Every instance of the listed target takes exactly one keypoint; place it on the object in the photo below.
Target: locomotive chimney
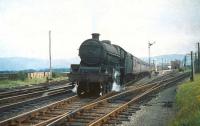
(95, 36)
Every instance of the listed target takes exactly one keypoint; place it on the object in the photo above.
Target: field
(26, 82)
(188, 102)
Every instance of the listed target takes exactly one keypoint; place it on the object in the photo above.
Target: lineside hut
(175, 64)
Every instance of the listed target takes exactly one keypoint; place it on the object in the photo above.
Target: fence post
(192, 67)
(185, 61)
(198, 61)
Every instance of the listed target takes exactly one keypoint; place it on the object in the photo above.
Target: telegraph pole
(149, 46)
(198, 62)
(192, 67)
(149, 54)
(185, 60)
(50, 69)
(162, 64)
(196, 68)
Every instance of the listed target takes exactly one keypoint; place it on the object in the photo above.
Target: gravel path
(157, 112)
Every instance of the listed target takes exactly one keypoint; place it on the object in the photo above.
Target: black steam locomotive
(103, 64)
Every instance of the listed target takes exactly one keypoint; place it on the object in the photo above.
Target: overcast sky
(24, 26)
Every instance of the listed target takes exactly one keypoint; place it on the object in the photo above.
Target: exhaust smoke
(75, 88)
(116, 83)
(116, 87)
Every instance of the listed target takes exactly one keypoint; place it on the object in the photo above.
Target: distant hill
(19, 63)
(165, 58)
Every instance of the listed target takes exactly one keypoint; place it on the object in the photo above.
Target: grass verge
(188, 102)
(27, 82)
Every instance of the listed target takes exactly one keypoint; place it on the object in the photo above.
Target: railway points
(44, 97)
(100, 112)
(48, 113)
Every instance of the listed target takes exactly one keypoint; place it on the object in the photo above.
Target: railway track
(14, 99)
(20, 91)
(160, 79)
(154, 79)
(27, 102)
(164, 76)
(46, 114)
(112, 110)
(42, 86)
(58, 110)
(7, 101)
(31, 105)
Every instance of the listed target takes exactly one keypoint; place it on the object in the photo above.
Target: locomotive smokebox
(95, 36)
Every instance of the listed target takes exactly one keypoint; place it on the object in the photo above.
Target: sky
(174, 25)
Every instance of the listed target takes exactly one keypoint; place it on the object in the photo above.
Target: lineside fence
(191, 62)
(29, 75)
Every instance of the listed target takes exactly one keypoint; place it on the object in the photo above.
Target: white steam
(116, 83)
(75, 88)
(116, 87)
(116, 73)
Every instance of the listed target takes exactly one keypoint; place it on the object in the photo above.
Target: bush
(21, 75)
(180, 69)
(55, 75)
(188, 102)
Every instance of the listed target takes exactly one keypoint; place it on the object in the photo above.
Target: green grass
(59, 78)
(188, 102)
(26, 82)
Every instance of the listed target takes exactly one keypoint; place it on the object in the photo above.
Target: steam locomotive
(103, 64)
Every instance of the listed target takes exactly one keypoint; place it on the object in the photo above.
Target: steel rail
(30, 118)
(22, 97)
(46, 114)
(21, 103)
(31, 89)
(110, 94)
(70, 117)
(123, 107)
(45, 122)
(20, 91)
(20, 118)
